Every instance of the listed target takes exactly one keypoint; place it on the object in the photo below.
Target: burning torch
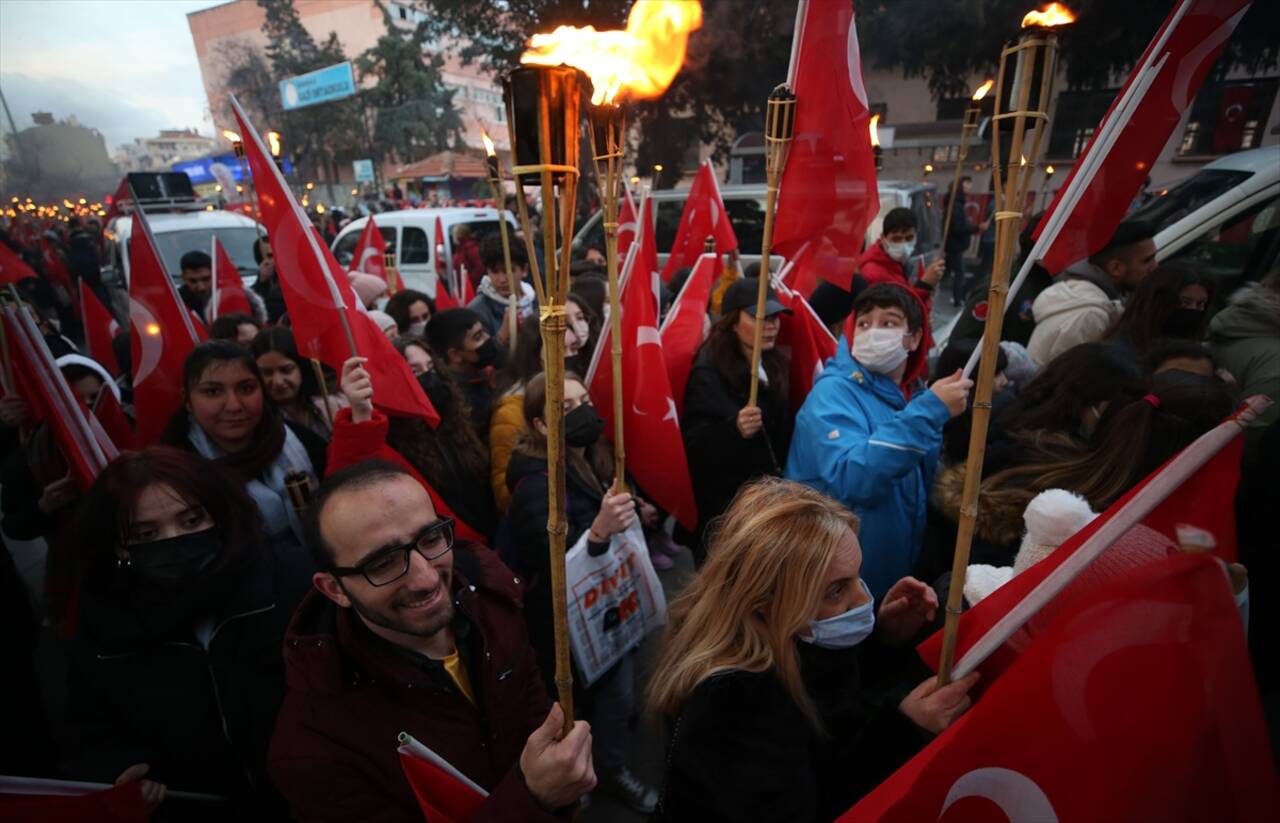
(967, 130)
(1021, 104)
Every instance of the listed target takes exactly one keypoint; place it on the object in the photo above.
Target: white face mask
(418, 329)
(900, 251)
(880, 350)
(582, 330)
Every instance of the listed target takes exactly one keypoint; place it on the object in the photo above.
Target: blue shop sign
(319, 86)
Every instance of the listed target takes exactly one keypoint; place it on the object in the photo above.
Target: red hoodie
(876, 266)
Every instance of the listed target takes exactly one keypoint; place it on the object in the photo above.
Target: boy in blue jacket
(869, 433)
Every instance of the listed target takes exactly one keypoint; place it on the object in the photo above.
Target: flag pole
(213, 295)
(1035, 62)
(538, 100)
(513, 287)
(607, 123)
(324, 392)
(780, 122)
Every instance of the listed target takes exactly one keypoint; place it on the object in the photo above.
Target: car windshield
(238, 242)
(1176, 203)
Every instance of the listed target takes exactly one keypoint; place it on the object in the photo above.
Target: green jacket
(1245, 338)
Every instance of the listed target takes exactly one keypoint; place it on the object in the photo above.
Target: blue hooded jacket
(858, 440)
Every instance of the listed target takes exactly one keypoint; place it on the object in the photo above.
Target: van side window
(747, 217)
(667, 223)
(345, 249)
(1240, 249)
(417, 248)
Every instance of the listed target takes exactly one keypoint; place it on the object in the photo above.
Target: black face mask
(437, 391)
(177, 560)
(1184, 323)
(487, 354)
(582, 426)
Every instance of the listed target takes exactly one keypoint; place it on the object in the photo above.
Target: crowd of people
(224, 636)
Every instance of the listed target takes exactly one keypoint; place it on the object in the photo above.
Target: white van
(745, 206)
(421, 253)
(178, 233)
(1225, 217)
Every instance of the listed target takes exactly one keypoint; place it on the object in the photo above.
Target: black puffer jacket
(144, 688)
(720, 460)
(741, 749)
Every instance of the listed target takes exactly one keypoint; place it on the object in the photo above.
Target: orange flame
(875, 131)
(982, 90)
(230, 135)
(639, 62)
(1054, 14)
(488, 144)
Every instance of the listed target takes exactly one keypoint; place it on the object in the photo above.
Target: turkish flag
(1136, 702)
(1193, 490)
(228, 286)
(371, 254)
(162, 334)
(54, 267)
(1115, 165)
(682, 328)
(100, 328)
(656, 458)
(828, 195)
(86, 450)
(321, 303)
(626, 223)
(704, 216)
(12, 267)
(444, 793)
(1233, 113)
(804, 339)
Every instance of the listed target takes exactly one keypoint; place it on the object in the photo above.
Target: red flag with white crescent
(655, 449)
(703, 216)
(684, 324)
(371, 254)
(162, 334)
(1115, 165)
(828, 195)
(323, 308)
(626, 224)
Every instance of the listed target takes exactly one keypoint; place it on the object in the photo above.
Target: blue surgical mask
(844, 631)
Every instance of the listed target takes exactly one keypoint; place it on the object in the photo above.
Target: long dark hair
(1133, 439)
(526, 363)
(268, 437)
(450, 452)
(1157, 297)
(103, 518)
(280, 340)
(725, 351)
(399, 303)
(1082, 376)
(532, 443)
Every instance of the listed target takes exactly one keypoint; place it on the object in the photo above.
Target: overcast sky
(125, 67)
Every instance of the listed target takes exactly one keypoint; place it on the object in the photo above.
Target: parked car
(745, 205)
(422, 250)
(178, 233)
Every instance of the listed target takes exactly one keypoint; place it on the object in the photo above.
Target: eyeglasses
(392, 563)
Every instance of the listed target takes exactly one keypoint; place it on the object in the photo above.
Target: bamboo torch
(607, 124)
(779, 126)
(542, 119)
(513, 285)
(237, 146)
(967, 130)
(1021, 103)
(393, 274)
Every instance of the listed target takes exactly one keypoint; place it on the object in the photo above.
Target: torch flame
(875, 131)
(1054, 14)
(639, 62)
(982, 90)
(488, 144)
(230, 135)
(273, 142)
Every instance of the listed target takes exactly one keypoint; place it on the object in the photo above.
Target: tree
(414, 114)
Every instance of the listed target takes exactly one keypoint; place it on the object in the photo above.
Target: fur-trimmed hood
(997, 523)
(1253, 312)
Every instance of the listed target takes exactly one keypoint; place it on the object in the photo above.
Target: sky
(125, 67)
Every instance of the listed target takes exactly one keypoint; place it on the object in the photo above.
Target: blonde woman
(759, 673)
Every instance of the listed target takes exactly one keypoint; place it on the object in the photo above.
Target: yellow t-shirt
(453, 665)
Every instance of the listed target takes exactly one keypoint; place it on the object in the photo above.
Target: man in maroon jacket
(406, 632)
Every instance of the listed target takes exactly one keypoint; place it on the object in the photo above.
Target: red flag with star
(704, 216)
(655, 449)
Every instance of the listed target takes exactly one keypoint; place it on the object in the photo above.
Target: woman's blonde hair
(761, 584)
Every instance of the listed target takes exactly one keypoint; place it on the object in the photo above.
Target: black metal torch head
(530, 91)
